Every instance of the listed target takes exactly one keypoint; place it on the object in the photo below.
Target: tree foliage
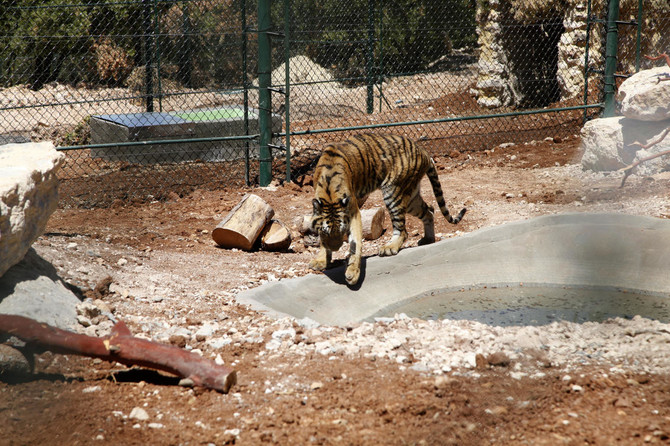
(198, 43)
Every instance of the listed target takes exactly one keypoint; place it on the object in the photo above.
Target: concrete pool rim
(577, 249)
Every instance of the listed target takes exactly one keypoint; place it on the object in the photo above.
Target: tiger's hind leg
(419, 208)
(396, 206)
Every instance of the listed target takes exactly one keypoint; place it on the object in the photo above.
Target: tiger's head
(331, 219)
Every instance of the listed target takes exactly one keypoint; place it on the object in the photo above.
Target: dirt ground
(172, 284)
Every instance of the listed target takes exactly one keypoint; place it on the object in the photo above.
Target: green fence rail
(155, 97)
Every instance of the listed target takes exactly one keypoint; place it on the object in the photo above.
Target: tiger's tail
(439, 196)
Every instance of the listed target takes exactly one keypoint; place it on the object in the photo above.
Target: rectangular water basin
(188, 124)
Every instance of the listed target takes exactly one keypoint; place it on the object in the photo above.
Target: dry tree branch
(121, 346)
(629, 169)
(664, 56)
(659, 57)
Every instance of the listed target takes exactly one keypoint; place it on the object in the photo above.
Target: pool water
(532, 305)
(212, 114)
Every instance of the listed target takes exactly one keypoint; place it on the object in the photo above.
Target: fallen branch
(659, 57)
(667, 61)
(121, 346)
(629, 169)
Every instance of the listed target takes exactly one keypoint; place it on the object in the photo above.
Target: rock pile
(609, 143)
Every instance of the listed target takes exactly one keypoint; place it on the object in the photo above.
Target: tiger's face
(331, 220)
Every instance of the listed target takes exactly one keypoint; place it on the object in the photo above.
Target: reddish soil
(319, 399)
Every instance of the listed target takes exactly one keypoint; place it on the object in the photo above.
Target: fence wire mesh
(461, 75)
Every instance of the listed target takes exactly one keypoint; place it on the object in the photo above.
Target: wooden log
(244, 223)
(276, 236)
(121, 346)
(304, 224)
(371, 219)
(373, 223)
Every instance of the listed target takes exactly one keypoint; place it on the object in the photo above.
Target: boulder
(32, 288)
(28, 196)
(645, 97)
(608, 144)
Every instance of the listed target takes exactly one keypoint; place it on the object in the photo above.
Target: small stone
(13, 362)
(499, 359)
(178, 341)
(84, 321)
(138, 414)
(155, 426)
(470, 360)
(122, 261)
(316, 385)
(218, 343)
(482, 363)
(186, 382)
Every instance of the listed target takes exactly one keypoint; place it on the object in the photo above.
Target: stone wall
(532, 52)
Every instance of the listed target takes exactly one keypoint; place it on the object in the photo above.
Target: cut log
(304, 224)
(276, 237)
(373, 223)
(371, 219)
(245, 222)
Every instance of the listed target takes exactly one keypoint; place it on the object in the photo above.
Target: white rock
(218, 343)
(608, 144)
(470, 359)
(205, 331)
(288, 333)
(28, 196)
(643, 97)
(273, 344)
(138, 414)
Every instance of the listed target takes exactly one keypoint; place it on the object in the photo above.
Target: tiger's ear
(345, 201)
(316, 206)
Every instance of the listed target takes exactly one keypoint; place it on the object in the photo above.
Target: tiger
(345, 175)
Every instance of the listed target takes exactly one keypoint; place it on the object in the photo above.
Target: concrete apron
(581, 250)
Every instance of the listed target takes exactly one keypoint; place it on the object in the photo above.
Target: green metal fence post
(287, 87)
(586, 57)
(245, 87)
(369, 58)
(638, 39)
(148, 55)
(264, 99)
(611, 44)
(157, 44)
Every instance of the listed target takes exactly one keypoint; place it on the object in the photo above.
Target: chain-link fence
(238, 91)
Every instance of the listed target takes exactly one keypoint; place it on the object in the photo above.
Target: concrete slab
(584, 250)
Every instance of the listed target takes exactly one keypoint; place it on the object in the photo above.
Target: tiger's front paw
(352, 274)
(318, 264)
